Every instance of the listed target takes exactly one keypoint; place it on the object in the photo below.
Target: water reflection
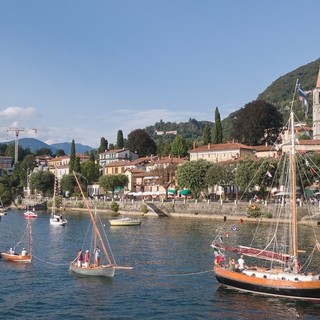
(246, 305)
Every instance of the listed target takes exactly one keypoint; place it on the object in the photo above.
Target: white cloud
(18, 114)
(17, 119)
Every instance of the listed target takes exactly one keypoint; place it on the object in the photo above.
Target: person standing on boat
(97, 256)
(11, 251)
(80, 258)
(87, 259)
(24, 252)
(241, 263)
(232, 264)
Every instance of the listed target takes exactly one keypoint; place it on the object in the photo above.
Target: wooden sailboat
(25, 256)
(56, 219)
(278, 269)
(104, 263)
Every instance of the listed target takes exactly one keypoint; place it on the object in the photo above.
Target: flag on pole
(303, 98)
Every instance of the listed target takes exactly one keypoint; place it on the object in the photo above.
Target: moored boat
(56, 219)
(277, 263)
(125, 221)
(30, 214)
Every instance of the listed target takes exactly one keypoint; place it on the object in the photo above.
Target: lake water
(171, 279)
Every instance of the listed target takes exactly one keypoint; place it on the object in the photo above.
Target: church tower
(316, 109)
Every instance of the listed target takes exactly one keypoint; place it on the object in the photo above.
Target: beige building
(222, 152)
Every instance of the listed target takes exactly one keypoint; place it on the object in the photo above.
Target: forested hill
(165, 131)
(280, 92)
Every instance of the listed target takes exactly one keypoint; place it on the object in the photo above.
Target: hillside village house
(222, 152)
(116, 155)
(139, 172)
(60, 165)
(145, 181)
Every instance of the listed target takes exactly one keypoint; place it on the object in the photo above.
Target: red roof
(221, 146)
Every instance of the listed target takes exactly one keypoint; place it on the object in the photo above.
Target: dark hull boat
(277, 261)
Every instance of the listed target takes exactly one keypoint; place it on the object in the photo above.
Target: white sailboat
(56, 219)
(277, 263)
(104, 263)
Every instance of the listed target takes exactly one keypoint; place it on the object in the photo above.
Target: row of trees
(250, 127)
(246, 174)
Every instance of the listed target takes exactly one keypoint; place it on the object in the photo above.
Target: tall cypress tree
(72, 157)
(120, 143)
(77, 165)
(103, 145)
(217, 129)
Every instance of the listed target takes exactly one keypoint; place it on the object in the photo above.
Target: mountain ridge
(36, 144)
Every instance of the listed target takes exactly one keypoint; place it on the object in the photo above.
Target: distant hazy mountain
(65, 146)
(35, 144)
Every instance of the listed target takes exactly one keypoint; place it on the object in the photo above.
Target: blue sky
(84, 69)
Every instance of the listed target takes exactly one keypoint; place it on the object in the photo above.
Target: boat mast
(92, 217)
(53, 208)
(294, 182)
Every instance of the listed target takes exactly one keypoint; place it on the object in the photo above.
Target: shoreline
(179, 215)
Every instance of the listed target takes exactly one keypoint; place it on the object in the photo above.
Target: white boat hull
(125, 222)
(57, 221)
(101, 271)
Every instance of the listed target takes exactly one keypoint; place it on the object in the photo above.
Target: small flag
(303, 99)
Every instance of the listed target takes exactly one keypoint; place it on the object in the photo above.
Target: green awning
(185, 192)
(172, 191)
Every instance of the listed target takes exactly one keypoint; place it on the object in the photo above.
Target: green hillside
(280, 94)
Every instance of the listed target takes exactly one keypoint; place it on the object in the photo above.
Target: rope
(187, 274)
(51, 263)
(163, 275)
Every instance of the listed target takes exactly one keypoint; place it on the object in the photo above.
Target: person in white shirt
(241, 263)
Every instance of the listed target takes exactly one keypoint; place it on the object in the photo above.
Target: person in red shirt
(80, 258)
(87, 259)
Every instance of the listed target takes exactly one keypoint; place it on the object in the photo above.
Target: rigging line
(186, 274)
(107, 240)
(51, 263)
